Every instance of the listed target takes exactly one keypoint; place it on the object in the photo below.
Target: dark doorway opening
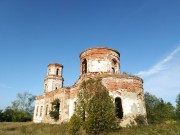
(84, 66)
(119, 110)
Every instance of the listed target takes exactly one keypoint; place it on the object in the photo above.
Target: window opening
(57, 72)
(49, 71)
(37, 111)
(114, 62)
(119, 110)
(113, 70)
(84, 66)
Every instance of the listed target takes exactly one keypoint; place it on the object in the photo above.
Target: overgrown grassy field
(29, 128)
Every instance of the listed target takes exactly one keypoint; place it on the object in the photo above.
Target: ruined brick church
(127, 90)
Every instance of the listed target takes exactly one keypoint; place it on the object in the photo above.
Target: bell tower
(54, 79)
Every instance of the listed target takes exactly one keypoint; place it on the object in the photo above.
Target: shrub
(95, 107)
(74, 125)
(141, 120)
(101, 113)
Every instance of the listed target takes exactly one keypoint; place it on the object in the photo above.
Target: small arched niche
(84, 66)
(119, 109)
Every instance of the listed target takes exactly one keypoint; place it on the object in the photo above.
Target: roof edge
(55, 64)
(99, 48)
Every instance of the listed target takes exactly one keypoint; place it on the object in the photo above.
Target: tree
(54, 113)
(95, 107)
(151, 100)
(85, 93)
(74, 125)
(178, 106)
(8, 114)
(170, 111)
(157, 110)
(1, 116)
(24, 102)
(21, 109)
(100, 112)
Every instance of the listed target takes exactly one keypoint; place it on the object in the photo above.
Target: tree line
(21, 109)
(159, 111)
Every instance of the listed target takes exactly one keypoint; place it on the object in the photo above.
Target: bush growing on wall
(54, 113)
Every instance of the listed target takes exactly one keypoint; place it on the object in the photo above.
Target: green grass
(29, 128)
(171, 128)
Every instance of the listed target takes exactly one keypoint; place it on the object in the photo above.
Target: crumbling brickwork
(104, 63)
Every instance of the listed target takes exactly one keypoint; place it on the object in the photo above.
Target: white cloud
(159, 66)
(163, 79)
(165, 84)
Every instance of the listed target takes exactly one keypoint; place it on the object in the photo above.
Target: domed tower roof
(99, 50)
(100, 60)
(55, 65)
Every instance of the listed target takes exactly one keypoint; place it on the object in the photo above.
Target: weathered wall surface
(130, 90)
(38, 111)
(63, 96)
(52, 82)
(100, 60)
(44, 102)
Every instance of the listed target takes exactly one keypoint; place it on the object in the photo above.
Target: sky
(38, 32)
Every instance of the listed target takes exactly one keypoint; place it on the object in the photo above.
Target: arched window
(41, 111)
(84, 66)
(119, 109)
(57, 71)
(113, 70)
(114, 62)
